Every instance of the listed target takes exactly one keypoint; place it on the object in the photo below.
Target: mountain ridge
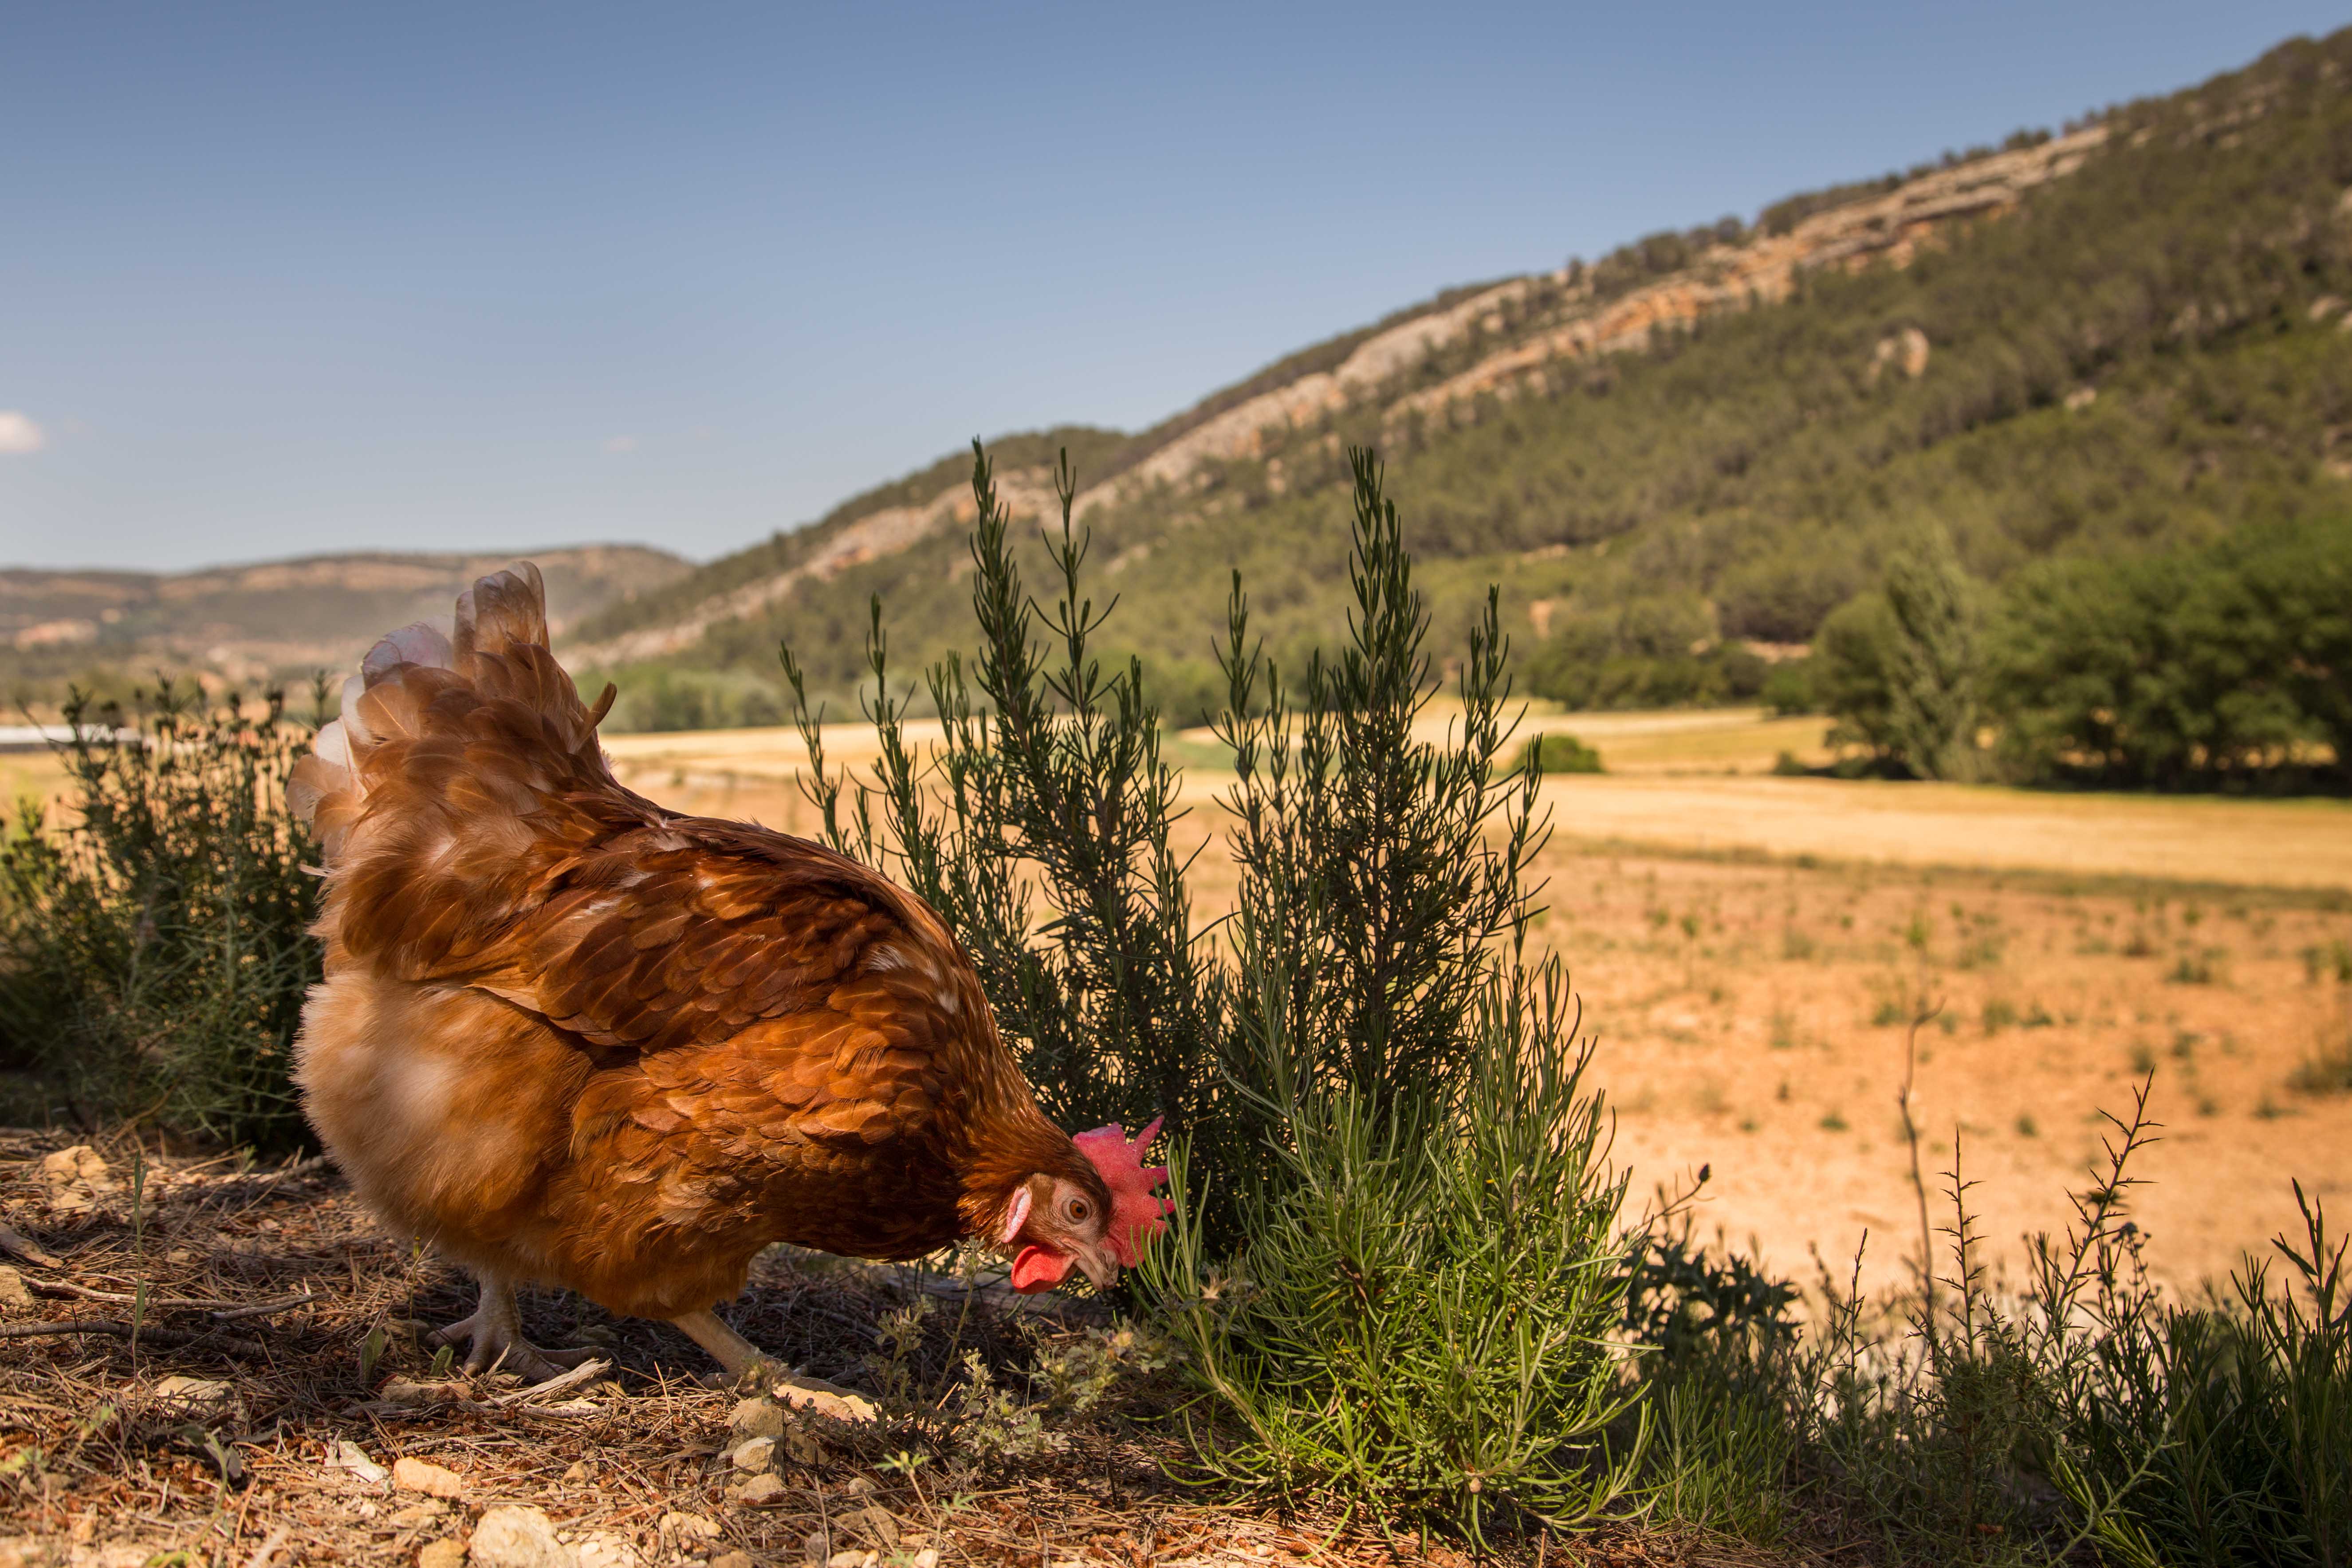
(1223, 428)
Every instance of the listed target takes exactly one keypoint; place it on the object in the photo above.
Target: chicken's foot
(493, 1336)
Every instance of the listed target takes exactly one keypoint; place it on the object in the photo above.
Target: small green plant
(1559, 753)
(2326, 1071)
(1998, 1014)
(1834, 1121)
(2198, 966)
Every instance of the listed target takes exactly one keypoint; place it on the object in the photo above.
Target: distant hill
(2124, 336)
(271, 620)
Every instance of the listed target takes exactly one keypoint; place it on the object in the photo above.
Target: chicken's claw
(494, 1339)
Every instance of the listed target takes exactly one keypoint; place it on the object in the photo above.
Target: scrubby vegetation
(154, 950)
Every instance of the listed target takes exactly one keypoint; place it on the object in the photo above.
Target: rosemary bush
(154, 950)
(1369, 1086)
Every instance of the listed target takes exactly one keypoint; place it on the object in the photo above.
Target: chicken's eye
(1077, 1209)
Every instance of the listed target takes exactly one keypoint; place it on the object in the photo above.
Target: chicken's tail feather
(497, 646)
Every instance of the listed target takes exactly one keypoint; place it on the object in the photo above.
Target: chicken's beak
(1098, 1265)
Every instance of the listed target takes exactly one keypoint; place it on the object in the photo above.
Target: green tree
(1900, 666)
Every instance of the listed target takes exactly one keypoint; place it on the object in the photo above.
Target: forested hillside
(2127, 337)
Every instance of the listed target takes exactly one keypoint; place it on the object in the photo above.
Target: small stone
(608, 1548)
(194, 1396)
(347, 1456)
(689, 1527)
(516, 1535)
(848, 1559)
(803, 1447)
(877, 1526)
(414, 1514)
(416, 1475)
(759, 1489)
(25, 1551)
(756, 1418)
(813, 1547)
(819, 1397)
(754, 1455)
(859, 1486)
(928, 1557)
(731, 1560)
(445, 1552)
(12, 1289)
(80, 1165)
(576, 1473)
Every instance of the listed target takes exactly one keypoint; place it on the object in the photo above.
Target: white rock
(347, 1456)
(756, 1454)
(516, 1535)
(608, 1548)
(194, 1396)
(756, 1418)
(689, 1527)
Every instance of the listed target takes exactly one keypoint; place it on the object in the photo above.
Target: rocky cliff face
(1504, 341)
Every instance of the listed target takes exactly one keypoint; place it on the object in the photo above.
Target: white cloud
(612, 443)
(19, 435)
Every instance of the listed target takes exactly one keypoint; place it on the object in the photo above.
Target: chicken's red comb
(1135, 1210)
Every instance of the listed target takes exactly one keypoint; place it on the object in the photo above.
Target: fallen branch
(161, 1338)
(562, 1382)
(264, 1308)
(223, 1311)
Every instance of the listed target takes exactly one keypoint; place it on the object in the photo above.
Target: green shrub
(1422, 1316)
(154, 949)
(1358, 1068)
(1788, 687)
(1560, 753)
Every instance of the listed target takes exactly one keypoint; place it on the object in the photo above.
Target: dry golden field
(1742, 941)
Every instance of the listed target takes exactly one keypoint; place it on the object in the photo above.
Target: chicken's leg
(739, 1357)
(735, 1355)
(493, 1336)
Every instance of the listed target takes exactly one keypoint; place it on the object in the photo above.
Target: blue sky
(279, 280)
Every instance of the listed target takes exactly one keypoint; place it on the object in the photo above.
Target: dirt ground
(279, 1399)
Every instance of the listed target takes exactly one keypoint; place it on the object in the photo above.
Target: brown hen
(568, 1035)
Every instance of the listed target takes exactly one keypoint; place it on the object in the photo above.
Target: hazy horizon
(286, 284)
